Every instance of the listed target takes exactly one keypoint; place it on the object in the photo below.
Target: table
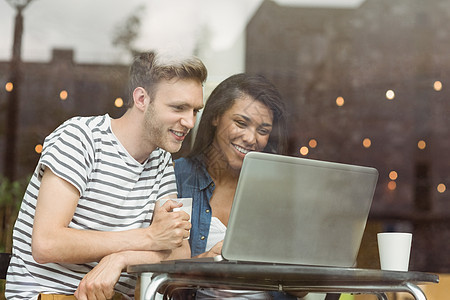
(169, 276)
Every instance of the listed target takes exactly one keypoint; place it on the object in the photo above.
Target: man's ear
(139, 98)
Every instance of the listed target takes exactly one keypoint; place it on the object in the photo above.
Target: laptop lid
(298, 211)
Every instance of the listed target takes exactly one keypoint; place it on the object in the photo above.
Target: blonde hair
(149, 68)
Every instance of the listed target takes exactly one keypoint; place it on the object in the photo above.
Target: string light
(367, 143)
(312, 143)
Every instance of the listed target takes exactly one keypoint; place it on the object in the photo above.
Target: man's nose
(188, 121)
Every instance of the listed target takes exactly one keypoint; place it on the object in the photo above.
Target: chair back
(4, 263)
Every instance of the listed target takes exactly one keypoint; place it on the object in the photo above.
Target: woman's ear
(139, 98)
(215, 121)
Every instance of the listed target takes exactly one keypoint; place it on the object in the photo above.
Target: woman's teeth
(240, 149)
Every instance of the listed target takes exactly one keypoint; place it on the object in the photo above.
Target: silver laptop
(293, 210)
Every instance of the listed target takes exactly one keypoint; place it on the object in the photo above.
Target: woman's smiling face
(245, 127)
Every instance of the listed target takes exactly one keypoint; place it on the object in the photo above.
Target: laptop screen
(299, 211)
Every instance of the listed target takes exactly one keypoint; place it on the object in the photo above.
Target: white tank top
(216, 233)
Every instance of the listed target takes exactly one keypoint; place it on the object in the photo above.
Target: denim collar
(204, 179)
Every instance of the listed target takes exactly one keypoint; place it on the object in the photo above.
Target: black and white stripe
(117, 193)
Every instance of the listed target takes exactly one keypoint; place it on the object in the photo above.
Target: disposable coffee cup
(394, 249)
(187, 205)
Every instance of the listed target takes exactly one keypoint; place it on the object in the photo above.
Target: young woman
(244, 113)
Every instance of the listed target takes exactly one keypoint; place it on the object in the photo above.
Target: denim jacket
(194, 181)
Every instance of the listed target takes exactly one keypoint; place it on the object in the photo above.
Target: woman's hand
(214, 251)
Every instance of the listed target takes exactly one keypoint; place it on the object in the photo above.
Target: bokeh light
(340, 101)
(38, 148)
(63, 95)
(421, 144)
(393, 175)
(437, 85)
(367, 143)
(390, 95)
(304, 150)
(441, 188)
(392, 185)
(9, 87)
(118, 102)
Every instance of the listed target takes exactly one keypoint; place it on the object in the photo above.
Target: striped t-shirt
(117, 193)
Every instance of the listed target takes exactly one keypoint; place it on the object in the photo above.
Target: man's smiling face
(172, 113)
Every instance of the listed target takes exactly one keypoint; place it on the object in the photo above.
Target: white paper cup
(187, 205)
(394, 249)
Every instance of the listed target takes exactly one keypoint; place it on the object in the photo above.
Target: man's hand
(100, 281)
(168, 228)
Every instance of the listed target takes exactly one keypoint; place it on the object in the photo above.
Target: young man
(90, 209)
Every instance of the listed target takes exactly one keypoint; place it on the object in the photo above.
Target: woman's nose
(249, 136)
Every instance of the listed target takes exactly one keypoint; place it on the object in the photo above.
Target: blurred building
(370, 86)
(50, 93)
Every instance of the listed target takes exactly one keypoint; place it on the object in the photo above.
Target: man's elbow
(41, 250)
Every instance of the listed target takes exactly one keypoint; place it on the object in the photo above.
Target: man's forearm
(81, 246)
(127, 258)
(68, 245)
(182, 252)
